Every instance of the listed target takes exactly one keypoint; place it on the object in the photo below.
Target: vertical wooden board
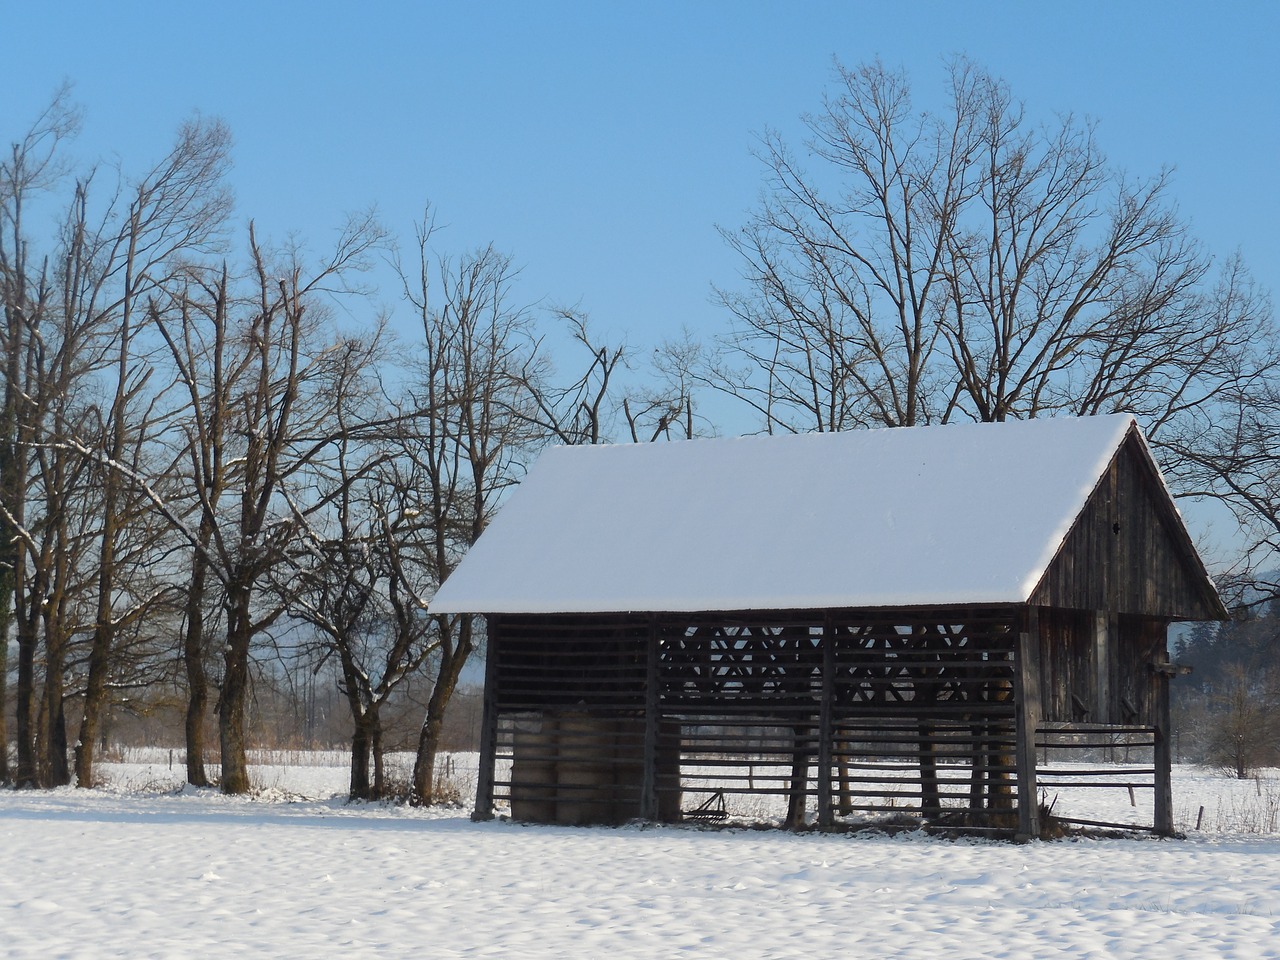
(649, 801)
(585, 770)
(1140, 641)
(1079, 632)
(826, 726)
(1027, 720)
(1103, 641)
(1163, 754)
(1066, 665)
(483, 809)
(1127, 551)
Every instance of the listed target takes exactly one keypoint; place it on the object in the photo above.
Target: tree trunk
(6, 619)
(235, 692)
(95, 697)
(366, 756)
(95, 694)
(25, 704)
(360, 746)
(197, 703)
(375, 746)
(452, 661)
(52, 767)
(424, 764)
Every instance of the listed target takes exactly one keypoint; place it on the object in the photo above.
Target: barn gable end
(1128, 551)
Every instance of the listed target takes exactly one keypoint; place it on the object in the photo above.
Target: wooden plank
(488, 725)
(1027, 701)
(1163, 748)
(826, 729)
(652, 724)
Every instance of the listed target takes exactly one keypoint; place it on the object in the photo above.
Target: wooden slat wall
(919, 713)
(1127, 553)
(569, 698)
(1068, 687)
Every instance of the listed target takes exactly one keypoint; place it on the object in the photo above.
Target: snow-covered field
(143, 868)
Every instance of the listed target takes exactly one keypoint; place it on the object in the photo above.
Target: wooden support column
(652, 724)
(1104, 632)
(926, 694)
(826, 728)
(1026, 695)
(1161, 670)
(488, 724)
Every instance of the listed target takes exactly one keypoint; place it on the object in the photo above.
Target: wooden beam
(826, 728)
(488, 724)
(1104, 632)
(1163, 753)
(652, 724)
(1026, 695)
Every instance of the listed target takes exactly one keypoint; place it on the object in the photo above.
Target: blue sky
(600, 144)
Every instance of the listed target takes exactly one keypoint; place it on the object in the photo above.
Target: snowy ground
(135, 869)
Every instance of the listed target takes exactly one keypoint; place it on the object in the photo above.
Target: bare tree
(34, 167)
(608, 402)
(969, 263)
(840, 323)
(176, 210)
(666, 407)
(73, 325)
(580, 411)
(471, 430)
(1244, 726)
(349, 578)
(257, 401)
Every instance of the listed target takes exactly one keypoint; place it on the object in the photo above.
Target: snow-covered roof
(965, 513)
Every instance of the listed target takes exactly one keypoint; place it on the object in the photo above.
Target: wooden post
(488, 726)
(826, 729)
(796, 795)
(1160, 672)
(652, 723)
(1026, 693)
(926, 694)
(1104, 632)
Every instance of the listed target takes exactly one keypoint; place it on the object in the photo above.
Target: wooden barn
(948, 623)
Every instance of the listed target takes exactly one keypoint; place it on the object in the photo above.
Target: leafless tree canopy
(918, 266)
(913, 266)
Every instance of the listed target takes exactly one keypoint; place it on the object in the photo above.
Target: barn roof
(957, 514)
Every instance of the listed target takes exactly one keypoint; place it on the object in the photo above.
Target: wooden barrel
(628, 769)
(534, 749)
(585, 770)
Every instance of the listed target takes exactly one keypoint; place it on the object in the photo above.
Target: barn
(926, 622)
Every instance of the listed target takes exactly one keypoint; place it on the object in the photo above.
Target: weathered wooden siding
(1128, 552)
(1068, 685)
(1141, 644)
(1098, 669)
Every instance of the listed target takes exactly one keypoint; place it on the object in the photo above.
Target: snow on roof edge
(1055, 544)
(511, 589)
